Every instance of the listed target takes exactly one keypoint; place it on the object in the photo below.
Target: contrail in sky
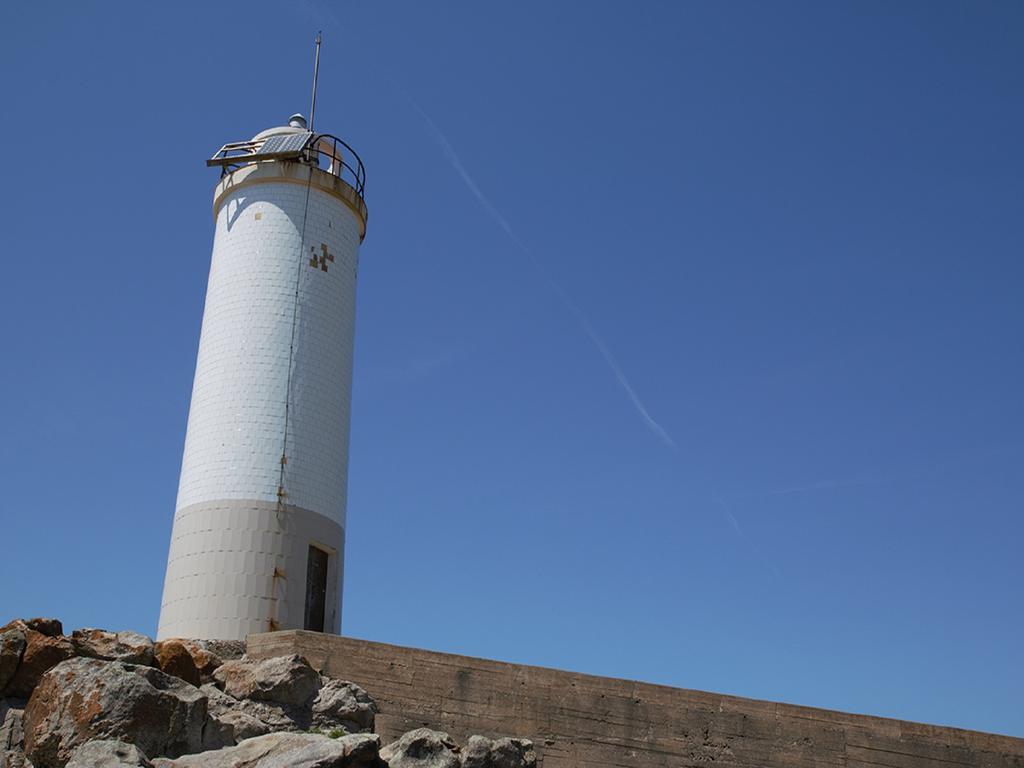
(453, 159)
(739, 532)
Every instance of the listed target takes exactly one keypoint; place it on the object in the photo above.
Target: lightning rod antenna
(316, 71)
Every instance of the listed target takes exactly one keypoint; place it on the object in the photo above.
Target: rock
(12, 733)
(346, 705)
(363, 750)
(227, 650)
(12, 736)
(113, 646)
(108, 753)
(204, 660)
(422, 748)
(244, 724)
(48, 627)
(499, 753)
(12, 646)
(208, 655)
(289, 750)
(287, 680)
(173, 658)
(14, 760)
(83, 699)
(42, 651)
(254, 718)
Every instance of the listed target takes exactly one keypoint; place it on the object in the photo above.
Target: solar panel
(291, 142)
(288, 146)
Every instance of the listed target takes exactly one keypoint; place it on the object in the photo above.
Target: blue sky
(689, 334)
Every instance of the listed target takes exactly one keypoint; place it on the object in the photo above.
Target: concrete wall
(580, 720)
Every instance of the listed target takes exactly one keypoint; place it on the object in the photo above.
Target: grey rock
(113, 646)
(482, 752)
(248, 719)
(422, 748)
(12, 646)
(108, 753)
(288, 750)
(81, 700)
(225, 650)
(14, 759)
(344, 704)
(287, 680)
(363, 750)
(12, 735)
(12, 732)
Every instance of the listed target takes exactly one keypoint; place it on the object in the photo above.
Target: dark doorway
(316, 589)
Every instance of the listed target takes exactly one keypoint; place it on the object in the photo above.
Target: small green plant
(334, 733)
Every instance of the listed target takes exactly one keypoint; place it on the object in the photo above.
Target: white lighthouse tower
(259, 527)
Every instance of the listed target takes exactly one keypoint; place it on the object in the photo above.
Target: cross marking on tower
(321, 259)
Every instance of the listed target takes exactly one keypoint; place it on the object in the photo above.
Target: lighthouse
(258, 538)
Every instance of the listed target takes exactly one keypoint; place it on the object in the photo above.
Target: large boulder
(345, 705)
(173, 658)
(44, 648)
(482, 752)
(422, 748)
(82, 699)
(248, 718)
(113, 646)
(286, 680)
(12, 646)
(289, 750)
(108, 753)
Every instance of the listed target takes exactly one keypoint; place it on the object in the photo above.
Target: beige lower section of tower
(237, 567)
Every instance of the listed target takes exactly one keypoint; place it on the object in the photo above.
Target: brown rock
(208, 655)
(287, 680)
(173, 658)
(113, 646)
(41, 653)
(12, 646)
(81, 700)
(48, 627)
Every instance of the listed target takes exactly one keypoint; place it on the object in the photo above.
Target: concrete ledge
(583, 721)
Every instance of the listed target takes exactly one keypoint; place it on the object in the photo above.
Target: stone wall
(582, 721)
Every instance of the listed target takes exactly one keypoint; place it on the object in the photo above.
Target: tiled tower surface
(583, 721)
(278, 330)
